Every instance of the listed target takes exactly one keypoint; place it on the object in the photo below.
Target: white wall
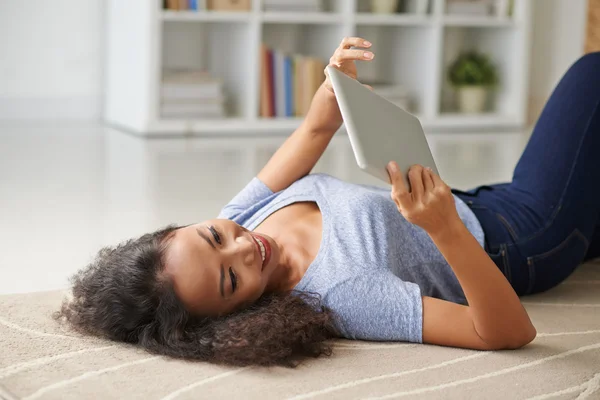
(51, 58)
(51, 54)
(558, 39)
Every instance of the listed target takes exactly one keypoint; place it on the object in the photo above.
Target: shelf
(484, 120)
(233, 126)
(285, 126)
(476, 21)
(216, 16)
(302, 18)
(413, 49)
(393, 19)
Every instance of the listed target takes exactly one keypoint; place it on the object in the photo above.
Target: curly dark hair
(123, 295)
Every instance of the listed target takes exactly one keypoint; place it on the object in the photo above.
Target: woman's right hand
(344, 56)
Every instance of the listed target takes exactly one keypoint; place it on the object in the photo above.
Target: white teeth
(263, 252)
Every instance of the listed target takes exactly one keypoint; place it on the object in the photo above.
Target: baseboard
(51, 108)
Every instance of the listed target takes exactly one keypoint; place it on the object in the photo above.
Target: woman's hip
(534, 253)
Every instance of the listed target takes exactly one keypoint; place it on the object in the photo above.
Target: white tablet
(378, 130)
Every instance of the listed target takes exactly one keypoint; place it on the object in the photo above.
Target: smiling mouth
(263, 249)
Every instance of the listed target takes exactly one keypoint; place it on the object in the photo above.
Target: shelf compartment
(477, 21)
(301, 18)
(215, 47)
(327, 6)
(209, 16)
(404, 55)
(419, 7)
(501, 45)
(316, 40)
(392, 19)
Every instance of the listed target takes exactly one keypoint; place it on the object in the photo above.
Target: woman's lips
(267, 246)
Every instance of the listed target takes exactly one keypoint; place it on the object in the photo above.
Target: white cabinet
(412, 49)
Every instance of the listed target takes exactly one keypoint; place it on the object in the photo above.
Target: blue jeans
(546, 222)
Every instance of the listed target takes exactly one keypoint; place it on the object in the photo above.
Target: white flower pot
(384, 6)
(472, 99)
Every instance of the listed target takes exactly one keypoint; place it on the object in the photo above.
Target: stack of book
(396, 94)
(182, 5)
(293, 5)
(191, 94)
(288, 83)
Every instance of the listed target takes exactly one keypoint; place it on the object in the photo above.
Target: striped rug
(38, 360)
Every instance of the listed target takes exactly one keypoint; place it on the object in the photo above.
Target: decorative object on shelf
(293, 5)
(502, 8)
(229, 5)
(288, 83)
(472, 74)
(191, 94)
(384, 6)
(469, 7)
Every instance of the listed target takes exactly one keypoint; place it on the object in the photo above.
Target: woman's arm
(495, 311)
(300, 152)
(498, 316)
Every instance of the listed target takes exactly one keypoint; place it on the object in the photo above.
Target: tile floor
(68, 189)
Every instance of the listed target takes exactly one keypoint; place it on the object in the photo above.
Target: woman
(298, 258)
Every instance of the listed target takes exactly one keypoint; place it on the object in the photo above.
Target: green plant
(472, 69)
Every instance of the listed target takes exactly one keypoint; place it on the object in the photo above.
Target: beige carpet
(40, 361)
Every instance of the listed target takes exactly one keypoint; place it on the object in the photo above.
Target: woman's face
(217, 266)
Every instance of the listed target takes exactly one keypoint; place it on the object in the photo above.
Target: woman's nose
(247, 250)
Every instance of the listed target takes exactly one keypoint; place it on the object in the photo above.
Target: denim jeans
(546, 222)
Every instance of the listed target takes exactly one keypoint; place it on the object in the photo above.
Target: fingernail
(367, 43)
(429, 169)
(368, 54)
(392, 166)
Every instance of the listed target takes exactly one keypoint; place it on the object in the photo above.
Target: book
(173, 5)
(271, 86)
(289, 99)
(293, 5)
(297, 61)
(466, 7)
(206, 108)
(279, 83)
(190, 91)
(193, 115)
(265, 85)
(190, 84)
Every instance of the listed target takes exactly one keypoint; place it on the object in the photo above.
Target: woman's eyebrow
(203, 236)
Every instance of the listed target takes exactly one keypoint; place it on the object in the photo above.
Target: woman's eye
(233, 279)
(215, 234)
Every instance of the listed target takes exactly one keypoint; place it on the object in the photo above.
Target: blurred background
(119, 117)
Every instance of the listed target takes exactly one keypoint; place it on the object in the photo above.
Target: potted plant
(472, 74)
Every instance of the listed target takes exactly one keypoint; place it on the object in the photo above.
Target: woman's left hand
(345, 56)
(429, 203)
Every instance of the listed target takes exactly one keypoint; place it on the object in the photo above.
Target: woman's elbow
(522, 340)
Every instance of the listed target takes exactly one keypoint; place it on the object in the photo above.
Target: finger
(341, 56)
(428, 180)
(415, 176)
(349, 42)
(437, 181)
(396, 178)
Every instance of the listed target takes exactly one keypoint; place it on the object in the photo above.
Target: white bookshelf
(411, 49)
